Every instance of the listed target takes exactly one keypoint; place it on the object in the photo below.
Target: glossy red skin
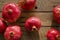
(52, 33)
(33, 21)
(2, 25)
(28, 5)
(56, 13)
(16, 30)
(16, 12)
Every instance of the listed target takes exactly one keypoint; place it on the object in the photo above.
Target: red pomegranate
(32, 24)
(56, 13)
(2, 25)
(53, 34)
(27, 4)
(11, 12)
(13, 33)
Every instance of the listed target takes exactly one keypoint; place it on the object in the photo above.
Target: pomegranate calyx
(23, 1)
(34, 28)
(58, 37)
(9, 11)
(11, 34)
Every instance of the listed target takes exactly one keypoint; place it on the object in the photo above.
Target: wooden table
(43, 11)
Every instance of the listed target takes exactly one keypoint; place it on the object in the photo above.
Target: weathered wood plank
(42, 5)
(40, 35)
(46, 5)
(36, 35)
(45, 17)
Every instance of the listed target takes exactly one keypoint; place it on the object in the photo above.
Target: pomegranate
(13, 33)
(56, 13)
(53, 34)
(11, 12)
(32, 24)
(27, 4)
(2, 25)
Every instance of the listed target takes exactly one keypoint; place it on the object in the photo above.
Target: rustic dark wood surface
(43, 12)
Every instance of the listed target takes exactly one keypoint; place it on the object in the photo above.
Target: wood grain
(45, 17)
(43, 12)
(42, 5)
(37, 35)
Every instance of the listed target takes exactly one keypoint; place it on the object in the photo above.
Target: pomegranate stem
(58, 37)
(11, 34)
(23, 1)
(34, 28)
(9, 11)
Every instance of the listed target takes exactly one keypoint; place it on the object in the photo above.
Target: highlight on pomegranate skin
(33, 24)
(56, 13)
(27, 4)
(11, 12)
(53, 34)
(2, 25)
(13, 33)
